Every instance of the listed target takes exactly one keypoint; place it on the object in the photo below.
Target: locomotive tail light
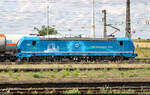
(19, 50)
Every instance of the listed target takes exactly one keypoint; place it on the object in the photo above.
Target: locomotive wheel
(13, 59)
(7, 60)
(70, 59)
(35, 59)
(2, 59)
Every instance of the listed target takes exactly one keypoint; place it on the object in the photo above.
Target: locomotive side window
(121, 43)
(33, 43)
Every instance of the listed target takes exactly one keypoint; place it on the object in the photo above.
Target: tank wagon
(76, 49)
(8, 44)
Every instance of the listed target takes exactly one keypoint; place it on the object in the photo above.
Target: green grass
(141, 40)
(114, 70)
(75, 73)
(89, 92)
(105, 70)
(56, 70)
(10, 73)
(52, 74)
(74, 92)
(37, 75)
(142, 52)
(65, 73)
(16, 77)
(116, 92)
(145, 93)
(133, 75)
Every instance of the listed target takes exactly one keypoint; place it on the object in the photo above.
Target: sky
(21, 16)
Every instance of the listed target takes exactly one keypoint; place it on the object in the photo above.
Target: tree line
(46, 30)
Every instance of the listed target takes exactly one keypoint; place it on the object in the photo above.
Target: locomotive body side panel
(33, 46)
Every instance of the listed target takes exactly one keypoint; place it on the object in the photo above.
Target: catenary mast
(128, 22)
(47, 18)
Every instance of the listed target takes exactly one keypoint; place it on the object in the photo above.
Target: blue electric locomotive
(57, 49)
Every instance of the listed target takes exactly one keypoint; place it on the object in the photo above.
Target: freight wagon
(8, 43)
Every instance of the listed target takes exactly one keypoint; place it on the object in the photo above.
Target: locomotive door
(121, 47)
(34, 49)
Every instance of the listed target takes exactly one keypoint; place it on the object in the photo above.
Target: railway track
(60, 69)
(59, 88)
(135, 90)
(134, 61)
(71, 68)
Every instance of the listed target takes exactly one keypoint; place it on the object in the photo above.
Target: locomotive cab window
(33, 43)
(121, 43)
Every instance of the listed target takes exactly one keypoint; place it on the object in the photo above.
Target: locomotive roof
(73, 38)
(76, 38)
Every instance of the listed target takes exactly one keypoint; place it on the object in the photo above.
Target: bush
(36, 75)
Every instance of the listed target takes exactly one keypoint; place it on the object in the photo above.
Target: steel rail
(74, 85)
(134, 61)
(83, 90)
(60, 69)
